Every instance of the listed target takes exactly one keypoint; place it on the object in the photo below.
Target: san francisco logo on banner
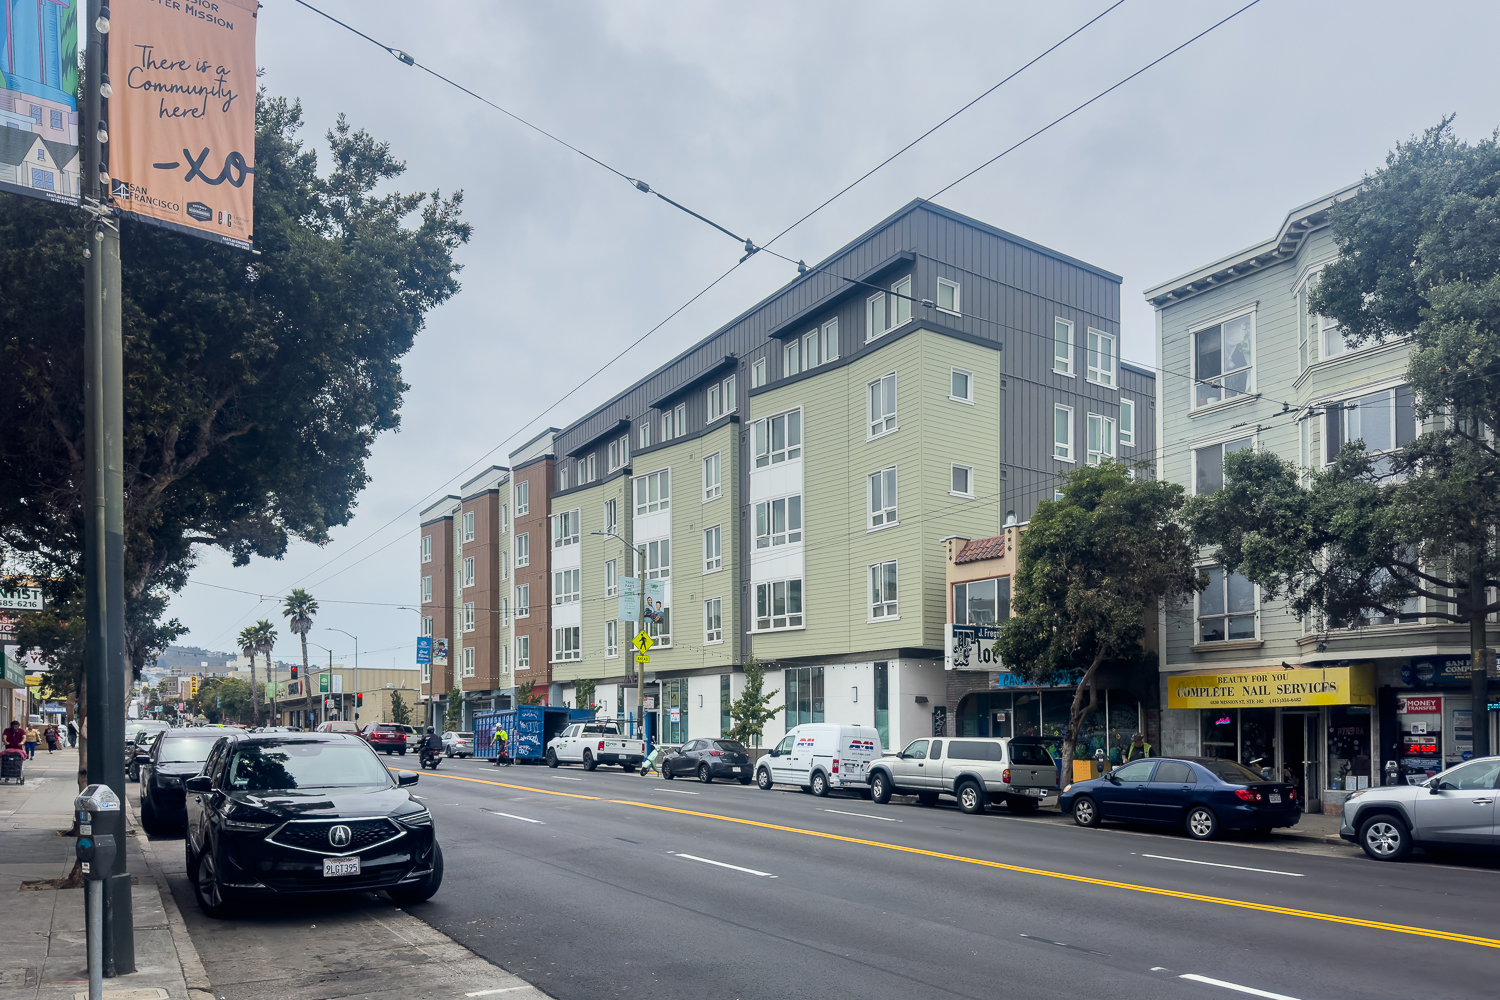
(39, 153)
(182, 115)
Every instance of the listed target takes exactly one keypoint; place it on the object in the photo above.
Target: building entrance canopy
(1352, 685)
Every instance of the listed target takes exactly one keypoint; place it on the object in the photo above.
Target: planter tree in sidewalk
(1419, 258)
(1090, 568)
(750, 712)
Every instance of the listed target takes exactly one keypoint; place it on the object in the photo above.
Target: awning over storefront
(1352, 685)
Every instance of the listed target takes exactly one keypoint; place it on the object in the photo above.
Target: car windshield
(1228, 770)
(187, 749)
(730, 746)
(274, 766)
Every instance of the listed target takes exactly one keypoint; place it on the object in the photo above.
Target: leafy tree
(1090, 568)
(1419, 258)
(751, 710)
(222, 699)
(254, 385)
(453, 718)
(400, 710)
(526, 694)
(584, 693)
(300, 606)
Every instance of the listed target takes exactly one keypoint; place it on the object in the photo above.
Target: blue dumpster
(529, 727)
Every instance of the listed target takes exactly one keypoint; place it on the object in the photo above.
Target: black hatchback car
(1203, 795)
(709, 759)
(283, 814)
(177, 756)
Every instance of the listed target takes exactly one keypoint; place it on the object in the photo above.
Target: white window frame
(956, 309)
(886, 422)
(468, 572)
(1063, 365)
(504, 564)
(1103, 376)
(644, 434)
(612, 639)
(830, 340)
(765, 599)
(884, 592)
(611, 514)
(466, 659)
(765, 516)
(567, 644)
(1339, 406)
(427, 548)
(658, 558)
(563, 475)
(713, 404)
(567, 586)
(565, 528)
(1126, 432)
(674, 423)
(1059, 447)
(969, 376)
(426, 590)
(713, 621)
(505, 657)
(765, 453)
(504, 611)
(426, 626)
(426, 673)
(1219, 443)
(468, 522)
(469, 623)
(523, 652)
(886, 480)
(712, 477)
(758, 373)
(504, 518)
(1101, 428)
(523, 600)
(523, 498)
(886, 312)
(523, 549)
(713, 549)
(611, 578)
(791, 357)
(662, 479)
(619, 453)
(1218, 380)
(968, 474)
(731, 396)
(1226, 614)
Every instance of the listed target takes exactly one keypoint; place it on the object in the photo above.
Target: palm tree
(258, 638)
(300, 607)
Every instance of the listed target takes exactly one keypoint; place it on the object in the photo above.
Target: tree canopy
(254, 384)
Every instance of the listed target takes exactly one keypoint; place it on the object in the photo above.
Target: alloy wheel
(1383, 838)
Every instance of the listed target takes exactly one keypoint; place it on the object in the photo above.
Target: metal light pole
(356, 668)
(330, 677)
(640, 607)
(104, 490)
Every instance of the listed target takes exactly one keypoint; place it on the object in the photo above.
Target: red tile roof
(982, 548)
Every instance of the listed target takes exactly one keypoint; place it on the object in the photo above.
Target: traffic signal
(359, 700)
(294, 671)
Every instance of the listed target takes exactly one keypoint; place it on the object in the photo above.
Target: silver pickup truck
(976, 771)
(592, 744)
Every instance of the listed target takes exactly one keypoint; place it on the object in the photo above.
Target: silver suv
(1454, 809)
(976, 771)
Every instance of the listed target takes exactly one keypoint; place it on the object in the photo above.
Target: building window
(1384, 421)
(523, 652)
(469, 617)
(661, 629)
(713, 627)
(653, 492)
(469, 571)
(778, 439)
(1222, 361)
(659, 559)
(56, 119)
(588, 469)
(467, 659)
(1101, 369)
(674, 422)
(713, 556)
(565, 644)
(778, 605)
(828, 341)
(504, 517)
(882, 492)
(1226, 608)
(1062, 432)
(1062, 347)
(886, 312)
(1101, 439)
(565, 528)
(1127, 423)
(504, 658)
(619, 453)
(1208, 464)
(947, 296)
(563, 482)
(778, 522)
(504, 564)
(791, 358)
(961, 481)
(645, 433)
(468, 526)
(981, 602)
(725, 701)
(804, 695)
(961, 387)
(883, 590)
(426, 673)
(611, 639)
(426, 590)
(427, 625)
(882, 394)
(427, 548)
(1316, 333)
(711, 486)
(611, 578)
(611, 515)
(504, 611)
(731, 402)
(758, 373)
(715, 402)
(523, 601)
(523, 549)
(565, 586)
(523, 498)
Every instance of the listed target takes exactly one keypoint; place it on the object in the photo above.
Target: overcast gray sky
(755, 113)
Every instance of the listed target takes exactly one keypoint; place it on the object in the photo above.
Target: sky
(753, 115)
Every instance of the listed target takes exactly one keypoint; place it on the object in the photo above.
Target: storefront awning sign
(1354, 685)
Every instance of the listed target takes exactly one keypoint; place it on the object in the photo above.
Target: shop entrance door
(1299, 741)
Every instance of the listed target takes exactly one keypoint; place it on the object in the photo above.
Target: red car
(385, 737)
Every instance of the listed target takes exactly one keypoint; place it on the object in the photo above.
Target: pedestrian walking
(51, 736)
(1139, 748)
(32, 739)
(72, 734)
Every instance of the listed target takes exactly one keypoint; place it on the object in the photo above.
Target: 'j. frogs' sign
(1268, 688)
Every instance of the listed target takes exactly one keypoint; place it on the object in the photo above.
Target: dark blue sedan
(1203, 795)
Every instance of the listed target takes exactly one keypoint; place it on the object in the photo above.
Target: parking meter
(96, 855)
(1390, 772)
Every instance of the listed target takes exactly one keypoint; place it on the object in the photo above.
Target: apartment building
(1253, 367)
(788, 480)
(533, 477)
(438, 567)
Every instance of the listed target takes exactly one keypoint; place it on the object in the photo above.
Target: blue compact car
(1203, 795)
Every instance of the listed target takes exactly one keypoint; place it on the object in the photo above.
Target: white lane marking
(523, 819)
(675, 791)
(563, 777)
(505, 989)
(883, 819)
(721, 864)
(1237, 987)
(1213, 864)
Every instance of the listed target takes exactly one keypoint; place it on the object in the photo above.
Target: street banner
(424, 649)
(39, 72)
(630, 594)
(182, 115)
(440, 653)
(323, 683)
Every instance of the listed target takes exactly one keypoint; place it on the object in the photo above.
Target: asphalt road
(603, 884)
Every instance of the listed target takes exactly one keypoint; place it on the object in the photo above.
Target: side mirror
(402, 780)
(1112, 778)
(199, 783)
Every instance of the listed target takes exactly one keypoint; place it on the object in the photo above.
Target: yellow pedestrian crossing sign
(643, 642)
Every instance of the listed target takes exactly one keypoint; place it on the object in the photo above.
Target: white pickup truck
(592, 744)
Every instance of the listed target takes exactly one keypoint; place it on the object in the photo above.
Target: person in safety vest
(1139, 748)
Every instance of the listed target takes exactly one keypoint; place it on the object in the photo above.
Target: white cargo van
(822, 755)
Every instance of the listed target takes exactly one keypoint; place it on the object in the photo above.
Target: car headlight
(420, 818)
(245, 820)
(1354, 795)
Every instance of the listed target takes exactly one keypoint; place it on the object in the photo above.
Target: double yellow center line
(1331, 918)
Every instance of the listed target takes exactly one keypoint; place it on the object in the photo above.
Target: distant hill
(192, 656)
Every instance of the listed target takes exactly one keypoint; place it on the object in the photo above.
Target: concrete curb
(199, 988)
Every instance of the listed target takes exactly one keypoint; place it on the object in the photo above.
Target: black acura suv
(293, 813)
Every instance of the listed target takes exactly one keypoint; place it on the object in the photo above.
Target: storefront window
(1220, 733)
(1349, 746)
(804, 695)
(1028, 715)
(1246, 735)
(1124, 722)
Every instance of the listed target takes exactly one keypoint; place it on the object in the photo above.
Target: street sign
(424, 649)
(21, 599)
(642, 658)
(7, 626)
(643, 642)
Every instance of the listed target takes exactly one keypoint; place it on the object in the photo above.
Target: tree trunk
(254, 695)
(1077, 714)
(1479, 684)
